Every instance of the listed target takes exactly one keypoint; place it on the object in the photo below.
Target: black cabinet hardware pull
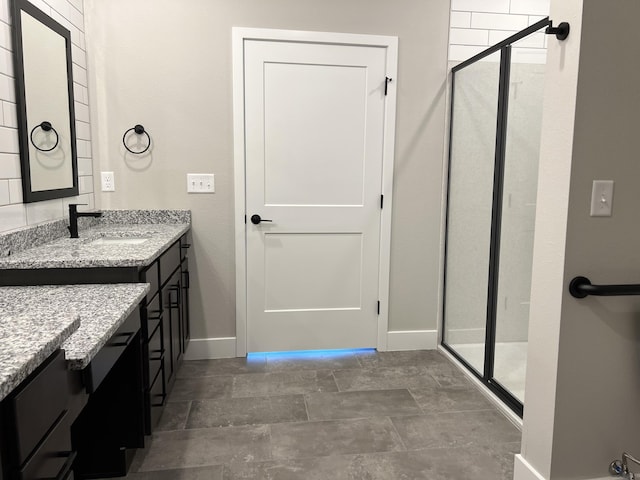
(162, 395)
(129, 336)
(581, 287)
(63, 474)
(174, 288)
(159, 357)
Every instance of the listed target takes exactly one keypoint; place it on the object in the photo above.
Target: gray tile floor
(369, 415)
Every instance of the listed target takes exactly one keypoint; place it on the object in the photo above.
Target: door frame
(239, 36)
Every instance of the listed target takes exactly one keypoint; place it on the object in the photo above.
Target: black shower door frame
(504, 47)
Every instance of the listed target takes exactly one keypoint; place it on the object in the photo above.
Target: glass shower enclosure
(496, 114)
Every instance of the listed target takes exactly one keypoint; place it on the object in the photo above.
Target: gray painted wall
(598, 390)
(167, 64)
(583, 380)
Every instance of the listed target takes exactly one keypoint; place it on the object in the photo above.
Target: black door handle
(256, 219)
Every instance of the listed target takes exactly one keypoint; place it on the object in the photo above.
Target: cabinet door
(172, 323)
(186, 330)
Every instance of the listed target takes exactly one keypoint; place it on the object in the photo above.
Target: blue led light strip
(312, 353)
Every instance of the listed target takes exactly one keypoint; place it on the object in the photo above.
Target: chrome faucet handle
(620, 468)
(616, 468)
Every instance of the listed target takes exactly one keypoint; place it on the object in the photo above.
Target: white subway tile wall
(13, 213)
(478, 24)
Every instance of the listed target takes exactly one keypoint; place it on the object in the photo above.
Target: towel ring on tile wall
(138, 129)
(46, 127)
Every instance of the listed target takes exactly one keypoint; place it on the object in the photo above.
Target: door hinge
(245, 219)
(387, 81)
(378, 307)
(381, 201)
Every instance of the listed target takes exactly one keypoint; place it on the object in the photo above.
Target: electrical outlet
(200, 183)
(108, 182)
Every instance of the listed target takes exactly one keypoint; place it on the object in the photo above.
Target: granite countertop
(83, 252)
(28, 338)
(101, 309)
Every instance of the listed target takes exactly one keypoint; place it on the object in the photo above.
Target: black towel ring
(139, 129)
(47, 127)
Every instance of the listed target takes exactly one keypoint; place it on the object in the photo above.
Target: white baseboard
(412, 340)
(225, 347)
(211, 348)
(522, 470)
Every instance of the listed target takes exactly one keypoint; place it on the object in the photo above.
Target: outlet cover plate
(602, 198)
(107, 181)
(200, 183)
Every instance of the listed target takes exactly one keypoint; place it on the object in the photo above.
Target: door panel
(320, 150)
(314, 125)
(335, 264)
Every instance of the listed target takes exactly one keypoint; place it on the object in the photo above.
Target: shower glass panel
(524, 119)
(493, 172)
(473, 142)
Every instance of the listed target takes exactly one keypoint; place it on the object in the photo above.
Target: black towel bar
(581, 287)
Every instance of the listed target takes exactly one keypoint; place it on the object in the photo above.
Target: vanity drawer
(185, 245)
(153, 315)
(157, 395)
(169, 261)
(150, 275)
(54, 459)
(108, 355)
(38, 403)
(156, 352)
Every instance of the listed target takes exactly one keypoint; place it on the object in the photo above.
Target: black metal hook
(138, 129)
(46, 127)
(561, 31)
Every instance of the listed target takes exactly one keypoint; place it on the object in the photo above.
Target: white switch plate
(108, 182)
(602, 198)
(200, 183)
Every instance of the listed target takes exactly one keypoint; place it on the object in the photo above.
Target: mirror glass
(44, 91)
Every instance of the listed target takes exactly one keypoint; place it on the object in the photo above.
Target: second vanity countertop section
(27, 340)
(101, 308)
(99, 247)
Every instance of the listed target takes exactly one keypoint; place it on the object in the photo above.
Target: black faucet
(74, 214)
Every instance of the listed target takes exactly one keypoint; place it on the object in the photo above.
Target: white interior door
(314, 120)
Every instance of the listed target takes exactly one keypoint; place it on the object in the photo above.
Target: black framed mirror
(44, 97)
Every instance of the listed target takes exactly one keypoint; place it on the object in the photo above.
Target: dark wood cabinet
(110, 427)
(36, 439)
(165, 325)
(163, 315)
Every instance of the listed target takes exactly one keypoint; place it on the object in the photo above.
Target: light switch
(200, 183)
(602, 198)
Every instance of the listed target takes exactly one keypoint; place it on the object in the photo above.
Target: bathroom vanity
(123, 250)
(73, 391)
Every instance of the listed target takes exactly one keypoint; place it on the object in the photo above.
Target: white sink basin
(119, 241)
